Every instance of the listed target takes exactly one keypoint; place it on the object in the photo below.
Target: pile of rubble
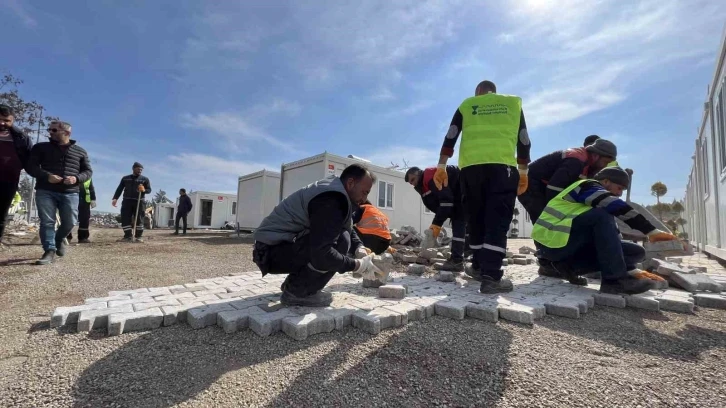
(20, 227)
(418, 258)
(410, 237)
(687, 278)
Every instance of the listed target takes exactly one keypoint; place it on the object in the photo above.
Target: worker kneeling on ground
(310, 237)
(577, 231)
(445, 203)
(371, 225)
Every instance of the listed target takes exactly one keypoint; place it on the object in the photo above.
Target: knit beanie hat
(137, 164)
(615, 174)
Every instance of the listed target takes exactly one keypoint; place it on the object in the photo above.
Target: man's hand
(93, 204)
(523, 179)
(141, 188)
(657, 236)
(70, 180)
(366, 269)
(435, 230)
(361, 252)
(391, 250)
(113, 203)
(638, 274)
(441, 177)
(53, 179)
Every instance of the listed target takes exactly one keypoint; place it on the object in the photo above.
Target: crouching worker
(309, 236)
(577, 232)
(371, 226)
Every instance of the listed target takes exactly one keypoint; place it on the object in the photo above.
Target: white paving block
(106, 299)
(488, 312)
(98, 318)
(610, 300)
(136, 321)
(300, 327)
(203, 316)
(268, 323)
(127, 292)
(453, 309)
(69, 315)
(233, 320)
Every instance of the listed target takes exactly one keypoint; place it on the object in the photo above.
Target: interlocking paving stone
(392, 291)
(247, 301)
(136, 321)
(95, 319)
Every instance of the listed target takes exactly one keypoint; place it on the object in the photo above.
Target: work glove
(657, 236)
(638, 274)
(362, 252)
(523, 179)
(93, 204)
(441, 177)
(366, 269)
(436, 230)
(141, 188)
(391, 250)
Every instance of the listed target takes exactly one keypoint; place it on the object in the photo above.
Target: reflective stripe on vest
(87, 190)
(553, 227)
(428, 175)
(373, 222)
(490, 129)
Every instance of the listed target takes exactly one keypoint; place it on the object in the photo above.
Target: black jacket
(185, 205)
(327, 213)
(129, 186)
(558, 170)
(51, 158)
(445, 203)
(23, 145)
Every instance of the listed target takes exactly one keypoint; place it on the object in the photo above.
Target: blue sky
(203, 92)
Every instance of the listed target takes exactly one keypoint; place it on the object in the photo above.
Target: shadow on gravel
(224, 240)
(423, 364)
(626, 329)
(17, 261)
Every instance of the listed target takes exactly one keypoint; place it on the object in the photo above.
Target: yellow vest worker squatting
(492, 131)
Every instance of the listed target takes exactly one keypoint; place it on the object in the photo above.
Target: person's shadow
(419, 364)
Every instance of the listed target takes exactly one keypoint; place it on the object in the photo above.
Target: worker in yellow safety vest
(371, 225)
(86, 201)
(493, 132)
(577, 233)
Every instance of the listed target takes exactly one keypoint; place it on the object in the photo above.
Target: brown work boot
(489, 285)
(319, 299)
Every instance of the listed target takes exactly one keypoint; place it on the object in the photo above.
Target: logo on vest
(474, 108)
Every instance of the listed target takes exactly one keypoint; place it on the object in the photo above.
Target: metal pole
(630, 183)
(32, 181)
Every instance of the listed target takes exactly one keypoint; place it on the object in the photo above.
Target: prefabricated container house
(164, 215)
(211, 210)
(257, 195)
(706, 189)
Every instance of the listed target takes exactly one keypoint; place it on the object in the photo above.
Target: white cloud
(413, 156)
(21, 13)
(410, 109)
(383, 94)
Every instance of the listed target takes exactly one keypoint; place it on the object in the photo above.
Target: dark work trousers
(488, 195)
(373, 242)
(293, 258)
(534, 201)
(183, 219)
(128, 206)
(595, 245)
(458, 230)
(84, 220)
(7, 193)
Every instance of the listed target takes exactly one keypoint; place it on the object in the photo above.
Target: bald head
(485, 87)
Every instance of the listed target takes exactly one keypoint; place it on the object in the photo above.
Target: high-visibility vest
(16, 199)
(87, 190)
(553, 227)
(490, 129)
(613, 163)
(373, 222)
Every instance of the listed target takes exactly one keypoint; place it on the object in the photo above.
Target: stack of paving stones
(249, 301)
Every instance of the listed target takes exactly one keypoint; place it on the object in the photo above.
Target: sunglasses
(53, 130)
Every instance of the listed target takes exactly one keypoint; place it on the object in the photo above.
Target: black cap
(137, 164)
(411, 170)
(590, 140)
(615, 174)
(603, 148)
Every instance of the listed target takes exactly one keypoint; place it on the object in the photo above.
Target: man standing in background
(86, 202)
(15, 149)
(134, 187)
(182, 211)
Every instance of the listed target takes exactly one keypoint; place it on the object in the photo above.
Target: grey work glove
(366, 269)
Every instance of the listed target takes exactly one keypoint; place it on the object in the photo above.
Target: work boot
(175, 233)
(566, 271)
(472, 272)
(452, 266)
(139, 240)
(626, 286)
(47, 258)
(489, 285)
(126, 239)
(319, 299)
(546, 269)
(84, 241)
(60, 248)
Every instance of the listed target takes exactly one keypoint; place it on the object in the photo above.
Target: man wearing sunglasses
(14, 152)
(60, 167)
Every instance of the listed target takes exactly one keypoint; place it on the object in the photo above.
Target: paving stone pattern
(249, 301)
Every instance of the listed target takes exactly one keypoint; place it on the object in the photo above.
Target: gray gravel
(609, 357)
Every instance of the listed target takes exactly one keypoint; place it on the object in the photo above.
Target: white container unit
(257, 195)
(211, 210)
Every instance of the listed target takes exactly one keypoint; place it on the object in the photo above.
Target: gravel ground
(609, 357)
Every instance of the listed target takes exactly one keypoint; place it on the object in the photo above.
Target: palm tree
(658, 190)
